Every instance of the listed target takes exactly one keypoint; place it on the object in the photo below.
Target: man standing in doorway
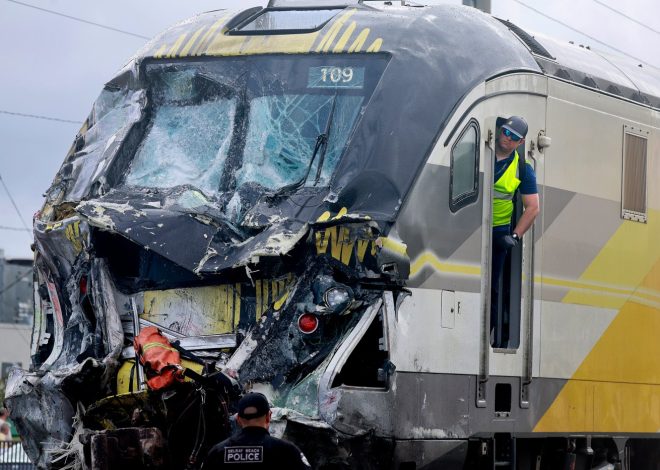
(511, 174)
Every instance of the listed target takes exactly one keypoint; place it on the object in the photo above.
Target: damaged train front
(194, 245)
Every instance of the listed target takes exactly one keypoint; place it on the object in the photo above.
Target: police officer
(253, 445)
(510, 175)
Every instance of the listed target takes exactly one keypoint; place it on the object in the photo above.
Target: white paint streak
(427, 433)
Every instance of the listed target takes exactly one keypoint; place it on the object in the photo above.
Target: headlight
(337, 298)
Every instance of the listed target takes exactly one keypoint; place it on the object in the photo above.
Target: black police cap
(253, 405)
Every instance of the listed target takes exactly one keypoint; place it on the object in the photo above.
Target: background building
(16, 303)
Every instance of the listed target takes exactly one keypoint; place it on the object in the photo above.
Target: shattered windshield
(189, 135)
(223, 123)
(283, 134)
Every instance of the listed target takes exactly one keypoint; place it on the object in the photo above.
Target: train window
(289, 20)
(464, 171)
(634, 175)
(246, 125)
(191, 129)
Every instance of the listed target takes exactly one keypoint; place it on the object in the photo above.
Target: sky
(54, 67)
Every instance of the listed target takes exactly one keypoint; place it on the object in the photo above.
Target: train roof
(613, 74)
(329, 26)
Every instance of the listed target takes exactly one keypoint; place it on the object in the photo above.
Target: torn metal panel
(108, 308)
(113, 115)
(238, 191)
(63, 241)
(40, 410)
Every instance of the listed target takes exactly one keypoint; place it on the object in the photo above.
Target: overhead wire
(584, 34)
(15, 229)
(20, 216)
(38, 116)
(644, 25)
(82, 20)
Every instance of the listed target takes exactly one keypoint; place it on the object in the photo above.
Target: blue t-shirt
(527, 183)
(528, 180)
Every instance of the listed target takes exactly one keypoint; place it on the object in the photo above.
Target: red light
(83, 285)
(308, 323)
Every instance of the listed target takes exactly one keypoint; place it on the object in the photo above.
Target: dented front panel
(239, 191)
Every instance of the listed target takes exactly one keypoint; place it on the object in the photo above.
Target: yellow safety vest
(503, 191)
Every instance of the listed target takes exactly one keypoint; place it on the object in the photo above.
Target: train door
(507, 334)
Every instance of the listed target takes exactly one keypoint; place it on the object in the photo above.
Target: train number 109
(336, 74)
(330, 76)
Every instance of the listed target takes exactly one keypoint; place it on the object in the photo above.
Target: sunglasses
(511, 135)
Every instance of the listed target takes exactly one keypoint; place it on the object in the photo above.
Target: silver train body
(332, 248)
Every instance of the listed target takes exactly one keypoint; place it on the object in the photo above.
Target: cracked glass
(188, 138)
(217, 125)
(282, 136)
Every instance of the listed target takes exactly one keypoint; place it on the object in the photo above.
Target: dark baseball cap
(517, 125)
(253, 405)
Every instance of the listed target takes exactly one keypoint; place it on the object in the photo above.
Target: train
(298, 198)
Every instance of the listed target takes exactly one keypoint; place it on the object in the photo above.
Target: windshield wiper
(326, 138)
(321, 145)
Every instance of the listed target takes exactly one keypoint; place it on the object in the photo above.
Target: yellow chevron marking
(601, 295)
(623, 368)
(176, 45)
(326, 215)
(338, 239)
(72, 233)
(624, 260)
(191, 41)
(53, 226)
(592, 286)
(161, 50)
(585, 406)
(375, 46)
(604, 295)
(342, 212)
(430, 259)
(330, 36)
(280, 302)
(359, 41)
(613, 359)
(339, 47)
(615, 388)
(395, 246)
(208, 34)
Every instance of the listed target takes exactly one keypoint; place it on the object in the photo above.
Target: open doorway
(506, 280)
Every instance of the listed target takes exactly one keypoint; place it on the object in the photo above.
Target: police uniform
(256, 447)
(253, 447)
